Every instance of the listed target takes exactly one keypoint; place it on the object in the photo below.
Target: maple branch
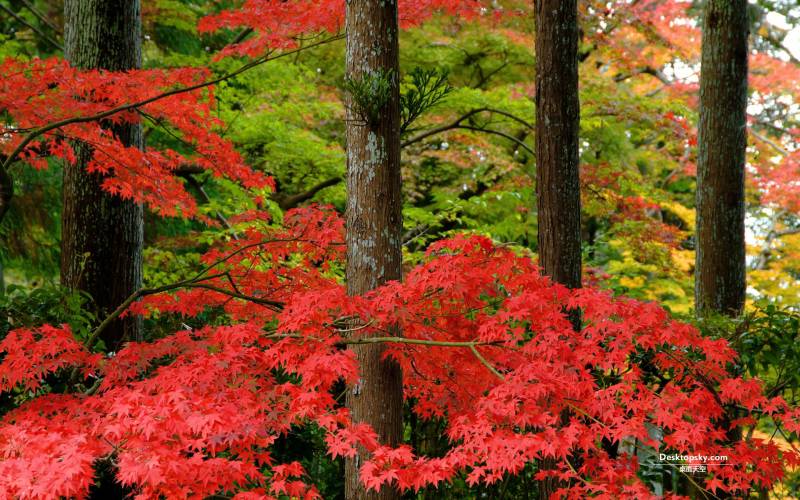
(459, 124)
(274, 304)
(485, 362)
(769, 142)
(93, 389)
(41, 33)
(291, 201)
(241, 36)
(392, 340)
(4, 178)
(501, 134)
(700, 488)
(778, 44)
(194, 282)
(142, 292)
(33, 10)
(761, 260)
(404, 340)
(472, 346)
(241, 249)
(206, 199)
(577, 476)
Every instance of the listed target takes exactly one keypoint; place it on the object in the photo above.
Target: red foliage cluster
(779, 184)
(277, 23)
(44, 92)
(487, 345)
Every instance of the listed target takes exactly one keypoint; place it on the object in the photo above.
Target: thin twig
(142, 292)
(33, 10)
(485, 362)
(41, 33)
(458, 124)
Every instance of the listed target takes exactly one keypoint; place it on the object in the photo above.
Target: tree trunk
(720, 264)
(557, 174)
(374, 217)
(102, 235)
(557, 127)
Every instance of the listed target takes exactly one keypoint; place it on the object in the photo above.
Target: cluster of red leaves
(772, 76)
(39, 93)
(779, 183)
(196, 413)
(277, 23)
(647, 33)
(634, 216)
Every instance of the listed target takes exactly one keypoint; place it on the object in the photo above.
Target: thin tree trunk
(557, 174)
(720, 265)
(374, 218)
(102, 235)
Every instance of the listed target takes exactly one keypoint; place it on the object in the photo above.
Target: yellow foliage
(682, 259)
(632, 282)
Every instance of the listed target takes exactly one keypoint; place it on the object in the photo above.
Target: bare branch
(206, 199)
(459, 124)
(47, 38)
(292, 201)
(33, 10)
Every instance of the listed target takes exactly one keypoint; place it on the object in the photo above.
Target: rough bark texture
(557, 174)
(720, 265)
(6, 189)
(557, 126)
(102, 235)
(374, 218)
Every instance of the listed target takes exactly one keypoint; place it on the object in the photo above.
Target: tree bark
(374, 219)
(102, 235)
(720, 260)
(557, 161)
(557, 127)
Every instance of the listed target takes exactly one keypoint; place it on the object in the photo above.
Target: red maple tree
(487, 344)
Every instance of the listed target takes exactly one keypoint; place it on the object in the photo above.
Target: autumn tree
(252, 321)
(101, 243)
(374, 211)
(722, 140)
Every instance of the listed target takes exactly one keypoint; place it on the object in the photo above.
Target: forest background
(468, 167)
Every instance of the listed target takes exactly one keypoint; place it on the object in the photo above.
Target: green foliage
(370, 94)
(10, 47)
(422, 90)
(287, 119)
(45, 304)
(30, 232)
(768, 342)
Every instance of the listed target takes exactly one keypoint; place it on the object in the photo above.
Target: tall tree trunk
(102, 235)
(374, 216)
(557, 127)
(720, 276)
(720, 264)
(557, 174)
